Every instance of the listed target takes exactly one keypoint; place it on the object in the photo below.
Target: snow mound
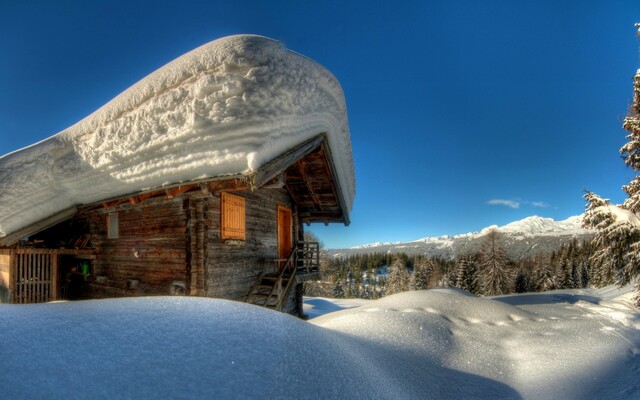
(439, 344)
(225, 108)
(168, 347)
(537, 346)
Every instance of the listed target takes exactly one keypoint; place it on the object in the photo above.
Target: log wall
(166, 241)
(231, 267)
(150, 254)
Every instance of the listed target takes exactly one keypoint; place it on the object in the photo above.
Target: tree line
(488, 272)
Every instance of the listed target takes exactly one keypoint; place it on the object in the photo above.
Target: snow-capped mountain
(523, 238)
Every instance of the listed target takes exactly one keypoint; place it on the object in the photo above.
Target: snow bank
(150, 348)
(317, 306)
(446, 343)
(225, 108)
(439, 344)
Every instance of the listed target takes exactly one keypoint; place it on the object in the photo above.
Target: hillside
(524, 238)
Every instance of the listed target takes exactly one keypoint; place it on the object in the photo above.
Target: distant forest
(488, 272)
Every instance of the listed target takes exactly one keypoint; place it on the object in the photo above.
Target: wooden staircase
(272, 288)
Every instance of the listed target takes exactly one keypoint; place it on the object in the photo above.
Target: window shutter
(233, 216)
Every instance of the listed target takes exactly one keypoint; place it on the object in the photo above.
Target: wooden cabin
(240, 239)
(233, 236)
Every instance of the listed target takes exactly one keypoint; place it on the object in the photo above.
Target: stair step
(275, 278)
(263, 295)
(262, 286)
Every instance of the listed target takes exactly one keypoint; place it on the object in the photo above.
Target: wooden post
(55, 262)
(12, 276)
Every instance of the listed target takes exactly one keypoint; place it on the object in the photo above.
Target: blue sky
(463, 114)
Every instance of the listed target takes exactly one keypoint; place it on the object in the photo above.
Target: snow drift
(225, 108)
(439, 343)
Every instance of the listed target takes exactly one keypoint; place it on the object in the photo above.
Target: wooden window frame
(233, 223)
(113, 225)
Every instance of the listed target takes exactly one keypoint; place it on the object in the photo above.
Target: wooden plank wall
(150, 253)
(5, 268)
(231, 267)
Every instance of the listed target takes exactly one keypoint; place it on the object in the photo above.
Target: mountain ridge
(526, 237)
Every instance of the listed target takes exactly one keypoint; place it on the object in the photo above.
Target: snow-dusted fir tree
(617, 241)
(618, 227)
(338, 289)
(495, 277)
(422, 271)
(467, 274)
(546, 278)
(398, 280)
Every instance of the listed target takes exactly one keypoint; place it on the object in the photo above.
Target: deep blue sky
(459, 110)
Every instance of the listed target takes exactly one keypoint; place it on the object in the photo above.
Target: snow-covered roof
(225, 108)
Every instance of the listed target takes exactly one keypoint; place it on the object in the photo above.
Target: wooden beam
(177, 191)
(204, 188)
(228, 186)
(293, 193)
(113, 203)
(278, 182)
(308, 183)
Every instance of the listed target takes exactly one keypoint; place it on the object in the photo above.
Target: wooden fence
(35, 276)
(32, 274)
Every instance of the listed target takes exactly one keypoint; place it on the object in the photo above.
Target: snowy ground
(429, 344)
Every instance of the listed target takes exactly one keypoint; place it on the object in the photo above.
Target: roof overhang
(309, 174)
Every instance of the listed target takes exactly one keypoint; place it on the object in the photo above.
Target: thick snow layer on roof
(434, 344)
(225, 108)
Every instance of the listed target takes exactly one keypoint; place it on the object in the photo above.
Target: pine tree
(523, 282)
(398, 277)
(467, 274)
(617, 240)
(546, 279)
(421, 276)
(338, 289)
(495, 278)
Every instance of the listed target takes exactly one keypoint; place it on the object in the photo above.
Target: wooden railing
(304, 259)
(308, 257)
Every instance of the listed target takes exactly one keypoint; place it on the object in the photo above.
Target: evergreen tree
(495, 277)
(562, 272)
(467, 274)
(617, 241)
(523, 282)
(338, 289)
(421, 276)
(546, 279)
(398, 277)
(618, 228)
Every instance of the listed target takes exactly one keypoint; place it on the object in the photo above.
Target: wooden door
(285, 226)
